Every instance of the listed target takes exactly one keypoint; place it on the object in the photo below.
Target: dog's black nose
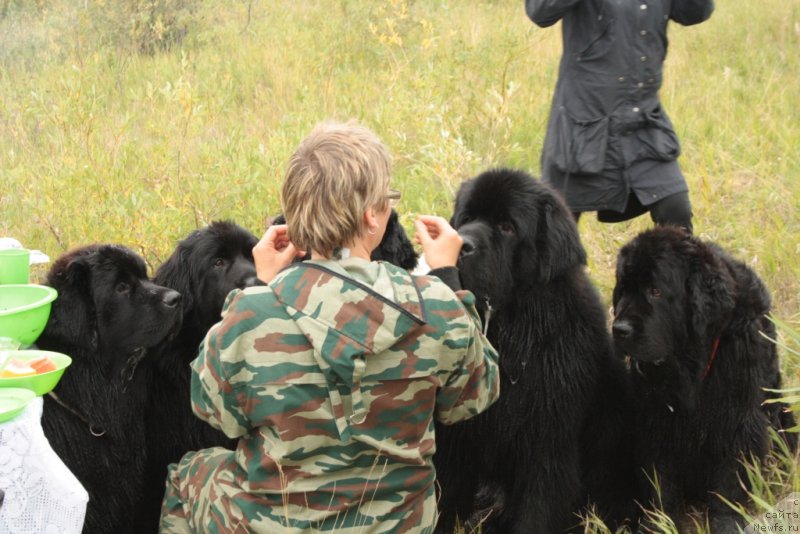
(622, 329)
(171, 298)
(467, 247)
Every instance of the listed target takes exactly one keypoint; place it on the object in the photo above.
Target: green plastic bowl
(24, 310)
(13, 402)
(41, 383)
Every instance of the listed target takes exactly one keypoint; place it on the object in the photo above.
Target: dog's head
(105, 301)
(207, 265)
(671, 289)
(517, 234)
(395, 247)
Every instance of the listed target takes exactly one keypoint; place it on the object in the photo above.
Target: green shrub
(143, 26)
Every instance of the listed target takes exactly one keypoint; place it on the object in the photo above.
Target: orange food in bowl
(42, 364)
(16, 368)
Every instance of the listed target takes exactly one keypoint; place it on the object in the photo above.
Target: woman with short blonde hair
(334, 176)
(332, 375)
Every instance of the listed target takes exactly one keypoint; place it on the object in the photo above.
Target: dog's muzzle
(622, 330)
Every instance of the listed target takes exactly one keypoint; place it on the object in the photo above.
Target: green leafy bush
(143, 26)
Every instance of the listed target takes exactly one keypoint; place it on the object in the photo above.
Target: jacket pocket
(578, 146)
(658, 138)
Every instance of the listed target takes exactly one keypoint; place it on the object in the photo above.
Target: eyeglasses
(393, 196)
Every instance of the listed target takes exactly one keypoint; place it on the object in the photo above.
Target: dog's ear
(710, 289)
(460, 201)
(395, 247)
(558, 244)
(73, 317)
(176, 273)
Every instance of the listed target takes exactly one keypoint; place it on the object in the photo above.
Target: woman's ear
(371, 222)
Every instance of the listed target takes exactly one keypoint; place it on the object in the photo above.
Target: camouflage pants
(195, 500)
(203, 495)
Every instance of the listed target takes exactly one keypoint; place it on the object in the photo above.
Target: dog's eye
(123, 287)
(219, 262)
(655, 292)
(506, 228)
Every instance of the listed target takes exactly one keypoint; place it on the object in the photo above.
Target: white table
(41, 493)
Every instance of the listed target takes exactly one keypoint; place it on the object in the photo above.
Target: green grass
(101, 144)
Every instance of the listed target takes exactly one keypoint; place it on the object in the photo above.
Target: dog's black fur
(395, 247)
(107, 316)
(697, 415)
(558, 429)
(207, 265)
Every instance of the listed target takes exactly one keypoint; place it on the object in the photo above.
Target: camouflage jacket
(333, 385)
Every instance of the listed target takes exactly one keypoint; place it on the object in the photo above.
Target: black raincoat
(608, 134)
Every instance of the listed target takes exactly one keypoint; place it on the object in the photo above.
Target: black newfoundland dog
(558, 430)
(107, 316)
(207, 265)
(690, 318)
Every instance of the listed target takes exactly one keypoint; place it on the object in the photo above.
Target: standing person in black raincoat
(610, 146)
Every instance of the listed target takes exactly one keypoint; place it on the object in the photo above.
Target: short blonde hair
(338, 172)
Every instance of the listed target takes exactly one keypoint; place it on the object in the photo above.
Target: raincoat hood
(346, 321)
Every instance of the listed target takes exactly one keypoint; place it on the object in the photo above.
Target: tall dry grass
(100, 142)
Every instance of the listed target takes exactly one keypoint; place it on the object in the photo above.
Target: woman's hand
(274, 252)
(440, 242)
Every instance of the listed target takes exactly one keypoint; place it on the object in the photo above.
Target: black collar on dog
(95, 431)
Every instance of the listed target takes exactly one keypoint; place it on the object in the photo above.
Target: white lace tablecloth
(41, 494)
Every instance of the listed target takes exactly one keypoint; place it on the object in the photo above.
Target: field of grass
(100, 142)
